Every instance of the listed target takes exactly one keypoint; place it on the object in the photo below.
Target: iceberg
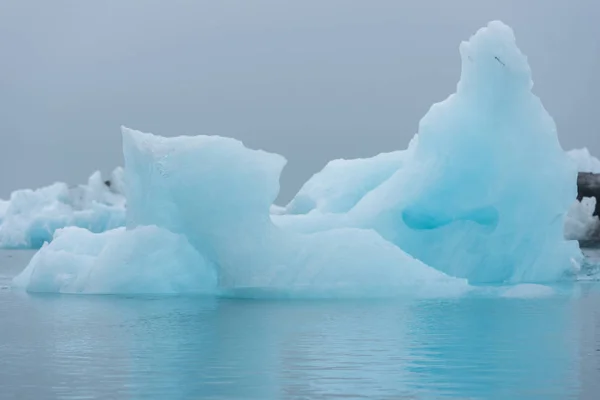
(216, 195)
(479, 197)
(31, 217)
(484, 193)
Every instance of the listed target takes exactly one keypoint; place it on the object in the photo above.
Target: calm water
(79, 347)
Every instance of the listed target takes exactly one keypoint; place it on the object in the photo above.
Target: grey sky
(312, 80)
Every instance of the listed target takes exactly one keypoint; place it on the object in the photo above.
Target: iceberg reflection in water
(190, 347)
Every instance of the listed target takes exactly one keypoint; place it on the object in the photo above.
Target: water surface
(151, 347)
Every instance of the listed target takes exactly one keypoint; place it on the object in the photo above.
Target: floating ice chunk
(585, 161)
(580, 223)
(31, 216)
(3, 208)
(143, 260)
(528, 291)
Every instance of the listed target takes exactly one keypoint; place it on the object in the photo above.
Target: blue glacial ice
(31, 217)
(142, 260)
(484, 193)
(342, 183)
(480, 196)
(584, 160)
(581, 223)
(215, 195)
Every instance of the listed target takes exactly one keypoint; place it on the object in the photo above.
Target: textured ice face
(201, 187)
(493, 67)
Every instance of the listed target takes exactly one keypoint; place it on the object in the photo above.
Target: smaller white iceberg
(581, 223)
(31, 217)
(584, 160)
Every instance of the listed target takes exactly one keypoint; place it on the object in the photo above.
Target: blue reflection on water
(75, 347)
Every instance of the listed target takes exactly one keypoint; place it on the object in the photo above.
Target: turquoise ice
(479, 197)
(484, 193)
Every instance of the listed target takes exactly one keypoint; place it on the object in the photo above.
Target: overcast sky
(312, 80)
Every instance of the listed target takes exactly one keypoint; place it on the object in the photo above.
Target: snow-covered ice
(30, 217)
(480, 196)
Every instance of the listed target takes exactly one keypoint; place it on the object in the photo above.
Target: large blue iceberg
(484, 192)
(480, 196)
